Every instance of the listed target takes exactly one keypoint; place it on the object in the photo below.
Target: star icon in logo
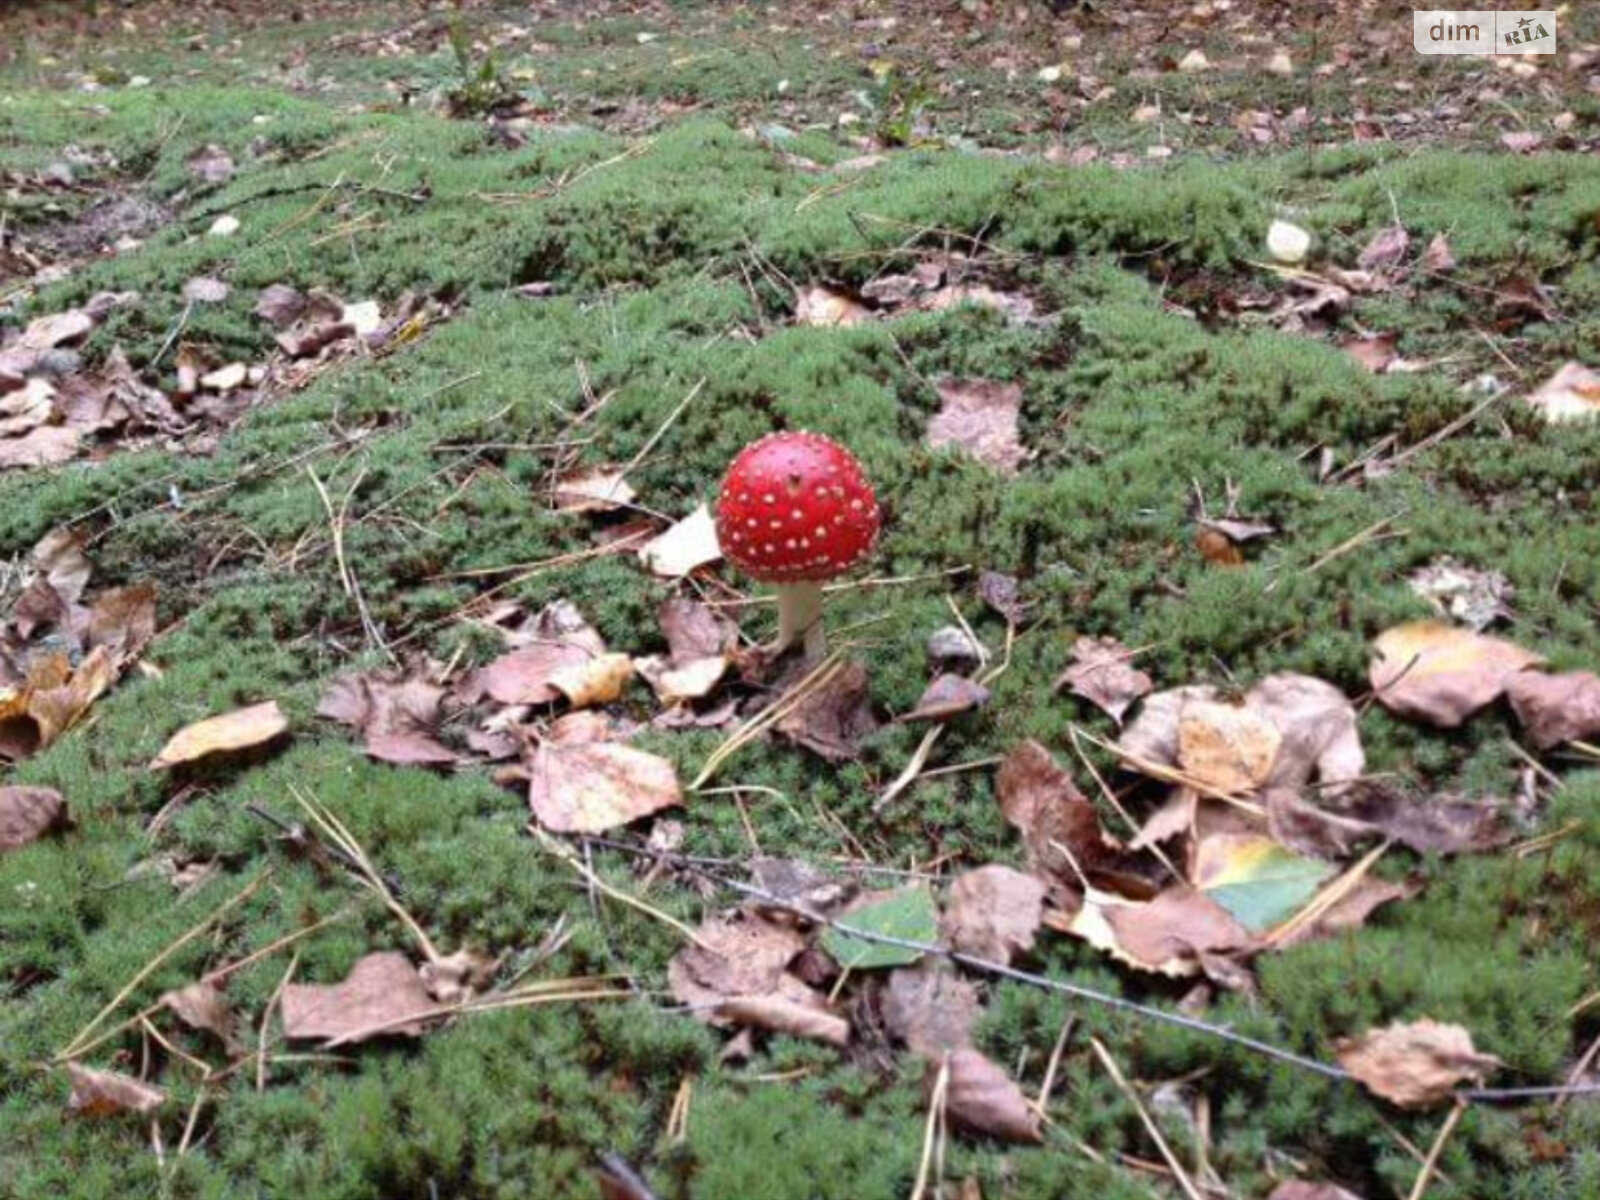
(1524, 22)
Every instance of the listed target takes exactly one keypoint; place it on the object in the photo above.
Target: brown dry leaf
(1445, 824)
(1438, 257)
(1386, 249)
(930, 1008)
(834, 719)
(1415, 1064)
(107, 1094)
(592, 490)
(55, 329)
(558, 637)
(685, 547)
(242, 729)
(396, 713)
(694, 630)
(27, 408)
(1318, 730)
(201, 1005)
(1059, 826)
(57, 707)
(1556, 708)
(1217, 547)
(1151, 739)
(211, 164)
(1017, 309)
(383, 996)
(982, 1098)
(1170, 933)
(280, 305)
(1002, 593)
(1521, 141)
(982, 417)
(1102, 672)
(598, 680)
(1351, 910)
(1376, 353)
(203, 289)
(596, 786)
(947, 697)
(1227, 747)
(993, 912)
(1475, 597)
(1441, 674)
(828, 307)
(1175, 816)
(123, 620)
(28, 813)
(1297, 1189)
(1571, 394)
(780, 1014)
(691, 680)
(47, 446)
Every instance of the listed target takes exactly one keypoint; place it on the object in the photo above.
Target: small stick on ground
(1425, 1176)
(263, 1039)
(1154, 1130)
(933, 1132)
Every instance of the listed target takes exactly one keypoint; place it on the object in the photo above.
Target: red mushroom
(796, 509)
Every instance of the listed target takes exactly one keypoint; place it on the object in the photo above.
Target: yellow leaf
(238, 730)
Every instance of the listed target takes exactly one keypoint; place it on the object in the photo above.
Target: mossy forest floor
(669, 175)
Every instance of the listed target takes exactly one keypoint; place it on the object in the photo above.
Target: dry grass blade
(815, 680)
(933, 1133)
(1154, 1130)
(568, 856)
(1431, 1164)
(1169, 774)
(80, 1043)
(336, 526)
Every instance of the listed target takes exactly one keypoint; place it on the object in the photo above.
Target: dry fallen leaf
(1476, 598)
(1442, 674)
(1350, 911)
(832, 720)
(592, 787)
(691, 680)
(1415, 1064)
(982, 417)
(106, 1093)
(28, 813)
(1226, 747)
(930, 1008)
(1102, 672)
(1387, 249)
(55, 329)
(694, 630)
(592, 490)
(993, 912)
(828, 307)
(280, 305)
(201, 1005)
(453, 978)
(47, 446)
(981, 1097)
(1556, 708)
(1318, 731)
(1571, 394)
(685, 547)
(558, 637)
(1151, 739)
(1258, 881)
(1002, 593)
(947, 697)
(598, 680)
(1445, 824)
(1377, 353)
(397, 715)
(780, 1014)
(242, 729)
(1438, 257)
(1297, 1189)
(738, 971)
(1167, 935)
(383, 996)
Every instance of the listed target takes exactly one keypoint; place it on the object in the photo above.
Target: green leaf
(908, 914)
(1255, 879)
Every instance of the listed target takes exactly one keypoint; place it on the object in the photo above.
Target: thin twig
(1425, 1175)
(1182, 1176)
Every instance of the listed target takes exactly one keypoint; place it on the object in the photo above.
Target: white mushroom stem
(800, 617)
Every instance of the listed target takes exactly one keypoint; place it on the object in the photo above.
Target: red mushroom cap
(796, 506)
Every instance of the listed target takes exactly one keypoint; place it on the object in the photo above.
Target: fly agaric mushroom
(796, 509)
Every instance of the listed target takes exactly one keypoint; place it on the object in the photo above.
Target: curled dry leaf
(202, 1006)
(828, 307)
(780, 1014)
(1102, 672)
(982, 417)
(242, 729)
(684, 547)
(1317, 727)
(691, 680)
(397, 715)
(1226, 747)
(993, 912)
(28, 813)
(1438, 257)
(1571, 394)
(1446, 824)
(203, 289)
(559, 637)
(947, 697)
(832, 720)
(383, 996)
(1415, 1064)
(930, 1008)
(598, 680)
(280, 305)
(1442, 674)
(1169, 935)
(47, 446)
(1377, 353)
(738, 971)
(694, 630)
(591, 787)
(56, 329)
(1351, 910)
(982, 1098)
(592, 490)
(1003, 594)
(1387, 249)
(52, 698)
(1556, 708)
(107, 1094)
